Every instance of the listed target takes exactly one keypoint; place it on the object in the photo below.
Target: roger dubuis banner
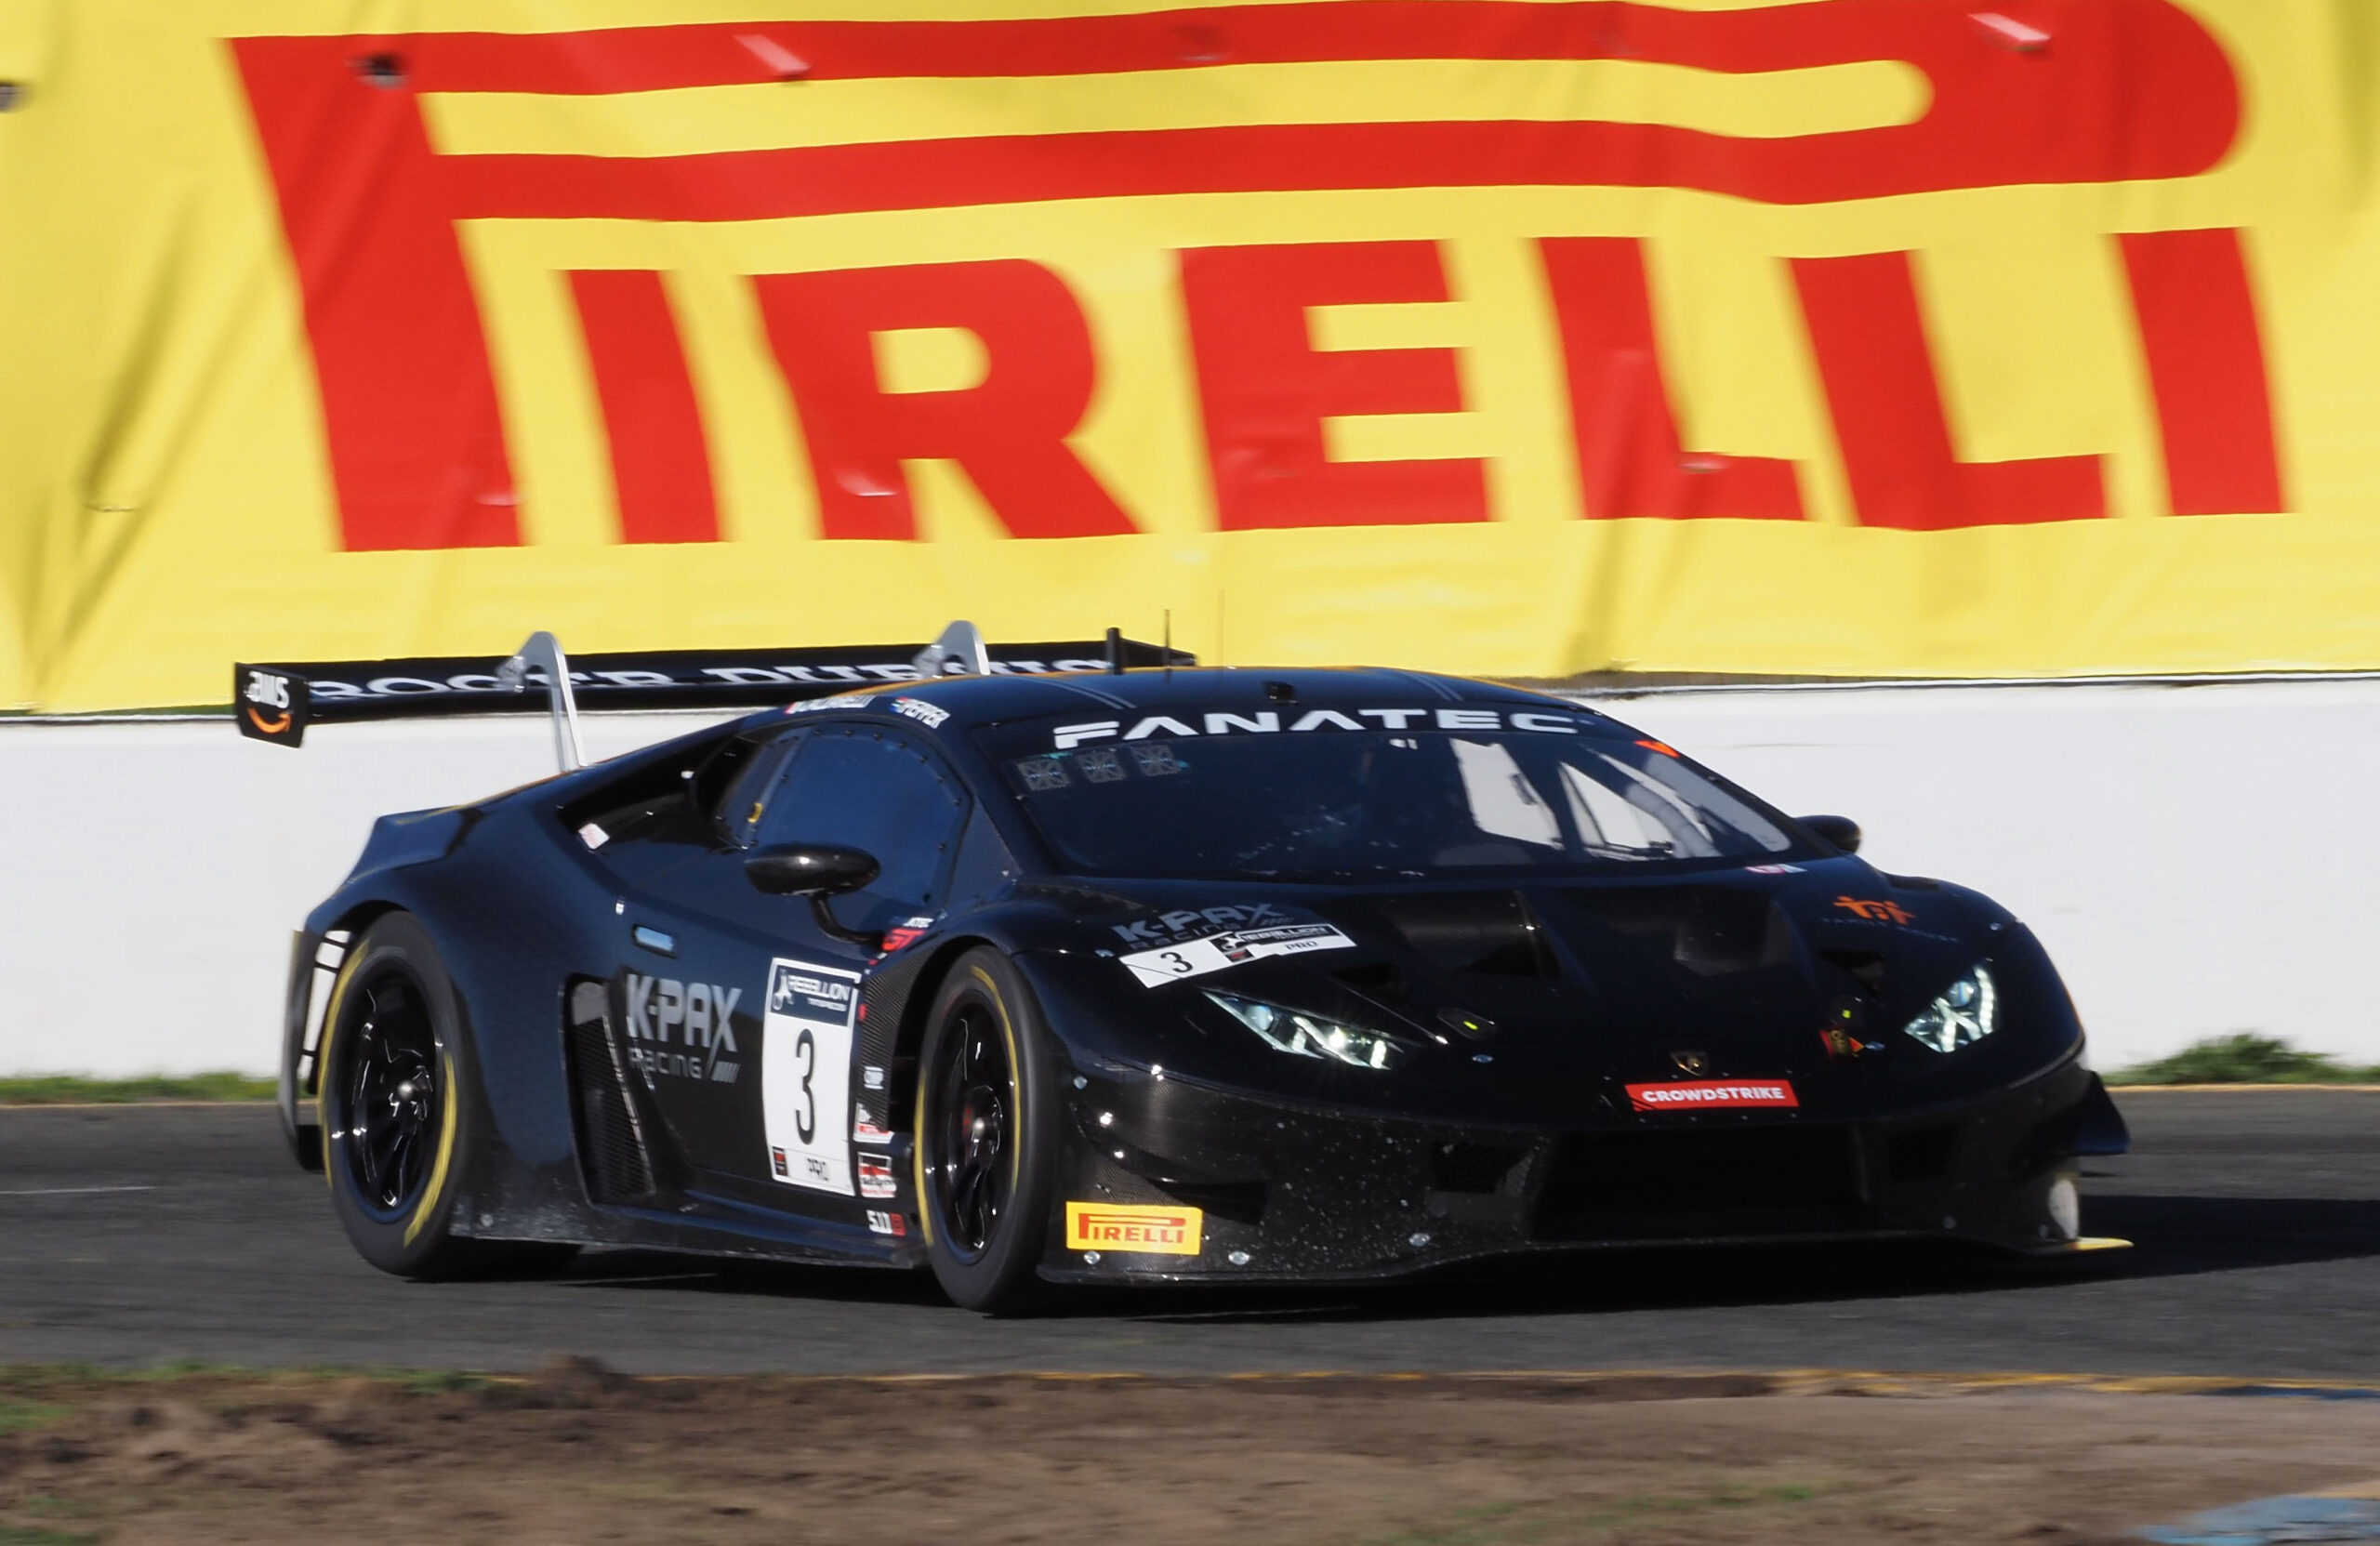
(1903, 337)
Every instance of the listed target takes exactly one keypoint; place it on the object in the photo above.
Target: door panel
(736, 1009)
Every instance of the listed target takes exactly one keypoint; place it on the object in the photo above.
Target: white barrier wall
(2198, 858)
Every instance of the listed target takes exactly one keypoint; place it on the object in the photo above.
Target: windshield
(1557, 793)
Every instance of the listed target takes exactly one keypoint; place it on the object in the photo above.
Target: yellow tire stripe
(421, 1215)
(1015, 1072)
(322, 1056)
(918, 1125)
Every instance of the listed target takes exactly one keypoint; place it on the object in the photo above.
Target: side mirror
(809, 869)
(1841, 831)
(817, 871)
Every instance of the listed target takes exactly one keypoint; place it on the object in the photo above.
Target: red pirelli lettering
(660, 466)
(2206, 368)
(1266, 388)
(1888, 418)
(1008, 431)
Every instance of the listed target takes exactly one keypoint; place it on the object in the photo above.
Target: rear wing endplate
(277, 702)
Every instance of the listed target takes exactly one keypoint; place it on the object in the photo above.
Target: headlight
(1310, 1036)
(1960, 1015)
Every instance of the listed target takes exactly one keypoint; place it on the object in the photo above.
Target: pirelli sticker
(1105, 1226)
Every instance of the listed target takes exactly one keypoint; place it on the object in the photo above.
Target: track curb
(1637, 1384)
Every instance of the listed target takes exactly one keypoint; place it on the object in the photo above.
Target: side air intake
(611, 1151)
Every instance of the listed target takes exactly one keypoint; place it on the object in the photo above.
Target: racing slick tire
(986, 1135)
(397, 1112)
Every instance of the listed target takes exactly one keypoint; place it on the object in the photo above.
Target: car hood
(1539, 1001)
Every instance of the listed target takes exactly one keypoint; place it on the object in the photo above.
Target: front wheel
(396, 1116)
(986, 1143)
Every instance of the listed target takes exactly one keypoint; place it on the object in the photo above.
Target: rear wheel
(396, 1116)
(985, 1135)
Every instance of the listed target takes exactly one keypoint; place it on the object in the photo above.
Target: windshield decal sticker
(1214, 952)
(840, 700)
(1875, 912)
(1068, 737)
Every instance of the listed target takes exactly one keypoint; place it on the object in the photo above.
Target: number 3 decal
(805, 1112)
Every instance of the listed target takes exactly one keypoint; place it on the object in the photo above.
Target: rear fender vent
(1488, 932)
(612, 1150)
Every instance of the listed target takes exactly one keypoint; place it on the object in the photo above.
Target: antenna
(1169, 638)
(1115, 651)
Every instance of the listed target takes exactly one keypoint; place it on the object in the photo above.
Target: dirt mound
(577, 1453)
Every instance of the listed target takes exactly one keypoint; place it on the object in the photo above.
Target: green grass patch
(20, 1534)
(1504, 1525)
(17, 1417)
(74, 1089)
(2245, 1058)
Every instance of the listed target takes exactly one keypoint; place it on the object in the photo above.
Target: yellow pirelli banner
(1901, 337)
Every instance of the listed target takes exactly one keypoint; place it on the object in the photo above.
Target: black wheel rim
(971, 1131)
(390, 1097)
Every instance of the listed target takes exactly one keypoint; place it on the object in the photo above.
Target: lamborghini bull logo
(681, 1030)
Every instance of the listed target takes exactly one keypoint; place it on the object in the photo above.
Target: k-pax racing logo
(2039, 92)
(681, 1030)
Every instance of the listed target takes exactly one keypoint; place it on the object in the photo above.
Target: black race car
(1073, 970)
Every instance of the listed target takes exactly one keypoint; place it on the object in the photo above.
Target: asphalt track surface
(139, 1237)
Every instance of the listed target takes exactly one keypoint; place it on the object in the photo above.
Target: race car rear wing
(276, 702)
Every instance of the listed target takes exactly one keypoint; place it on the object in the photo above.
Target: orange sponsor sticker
(1128, 1226)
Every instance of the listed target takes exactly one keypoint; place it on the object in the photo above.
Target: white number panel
(806, 1074)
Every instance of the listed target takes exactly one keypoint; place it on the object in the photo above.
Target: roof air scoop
(959, 651)
(543, 652)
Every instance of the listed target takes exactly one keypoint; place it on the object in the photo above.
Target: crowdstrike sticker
(1712, 1094)
(1196, 958)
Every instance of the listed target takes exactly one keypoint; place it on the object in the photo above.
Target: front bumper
(1295, 1193)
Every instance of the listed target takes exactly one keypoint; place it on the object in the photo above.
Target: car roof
(967, 702)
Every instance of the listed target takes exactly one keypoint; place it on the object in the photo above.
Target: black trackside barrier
(277, 702)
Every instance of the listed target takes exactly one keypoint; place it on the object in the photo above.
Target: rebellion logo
(1124, 1226)
(681, 1030)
